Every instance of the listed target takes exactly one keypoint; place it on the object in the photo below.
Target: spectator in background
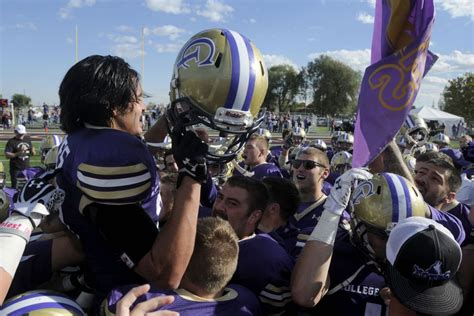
(18, 150)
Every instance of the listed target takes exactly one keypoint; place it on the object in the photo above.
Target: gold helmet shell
(384, 200)
(441, 139)
(49, 142)
(4, 206)
(415, 129)
(341, 162)
(43, 302)
(219, 80)
(50, 159)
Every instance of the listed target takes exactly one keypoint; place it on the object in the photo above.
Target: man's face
(464, 141)
(306, 180)
(232, 205)
(131, 120)
(252, 154)
(432, 181)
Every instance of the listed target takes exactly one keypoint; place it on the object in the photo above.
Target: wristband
(17, 225)
(326, 229)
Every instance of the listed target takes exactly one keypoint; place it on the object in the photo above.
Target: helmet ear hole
(379, 190)
(218, 60)
(262, 68)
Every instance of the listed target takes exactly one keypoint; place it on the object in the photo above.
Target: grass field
(34, 161)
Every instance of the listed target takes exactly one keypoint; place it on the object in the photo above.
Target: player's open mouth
(300, 177)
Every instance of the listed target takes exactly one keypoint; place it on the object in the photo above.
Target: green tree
(283, 87)
(21, 100)
(332, 85)
(458, 96)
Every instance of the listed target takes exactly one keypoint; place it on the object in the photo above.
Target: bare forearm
(10, 155)
(5, 282)
(310, 277)
(172, 250)
(394, 163)
(157, 133)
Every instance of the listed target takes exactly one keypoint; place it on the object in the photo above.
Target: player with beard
(255, 159)
(264, 266)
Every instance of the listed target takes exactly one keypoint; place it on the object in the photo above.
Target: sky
(38, 37)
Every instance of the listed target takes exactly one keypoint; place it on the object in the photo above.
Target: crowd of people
(172, 221)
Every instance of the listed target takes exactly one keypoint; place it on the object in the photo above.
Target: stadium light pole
(143, 56)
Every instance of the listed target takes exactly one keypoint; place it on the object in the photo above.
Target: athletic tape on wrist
(326, 229)
(17, 225)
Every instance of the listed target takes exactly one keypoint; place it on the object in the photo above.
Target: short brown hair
(215, 255)
(442, 160)
(319, 154)
(261, 140)
(257, 192)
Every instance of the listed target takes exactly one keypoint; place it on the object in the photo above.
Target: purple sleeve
(208, 192)
(450, 222)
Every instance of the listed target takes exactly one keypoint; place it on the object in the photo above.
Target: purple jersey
(235, 301)
(265, 268)
(260, 171)
(35, 266)
(326, 187)
(354, 287)
(461, 211)
(449, 221)
(308, 213)
(106, 166)
(30, 173)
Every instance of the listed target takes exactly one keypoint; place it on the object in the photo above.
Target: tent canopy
(432, 114)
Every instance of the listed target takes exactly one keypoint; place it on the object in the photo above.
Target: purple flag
(400, 58)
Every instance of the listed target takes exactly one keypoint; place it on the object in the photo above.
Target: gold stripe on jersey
(274, 288)
(83, 203)
(112, 171)
(320, 201)
(275, 303)
(110, 196)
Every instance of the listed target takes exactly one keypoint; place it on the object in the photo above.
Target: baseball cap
(20, 129)
(423, 258)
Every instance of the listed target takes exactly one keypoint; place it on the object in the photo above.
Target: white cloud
(370, 2)
(252, 20)
(26, 26)
(125, 39)
(171, 31)
(435, 80)
(456, 61)
(168, 6)
(365, 18)
(273, 60)
(125, 28)
(215, 10)
(457, 8)
(127, 50)
(168, 48)
(357, 59)
(66, 12)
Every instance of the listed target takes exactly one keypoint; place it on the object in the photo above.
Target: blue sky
(37, 37)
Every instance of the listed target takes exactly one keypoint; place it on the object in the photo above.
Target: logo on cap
(433, 273)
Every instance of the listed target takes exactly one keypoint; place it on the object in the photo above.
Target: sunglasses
(307, 164)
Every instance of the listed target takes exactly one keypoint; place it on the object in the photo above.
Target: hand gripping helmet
(410, 162)
(379, 204)
(41, 302)
(319, 144)
(441, 139)
(415, 129)
(219, 80)
(49, 142)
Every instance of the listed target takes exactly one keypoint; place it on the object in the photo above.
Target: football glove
(189, 152)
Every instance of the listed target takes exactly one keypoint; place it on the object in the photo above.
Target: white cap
(20, 129)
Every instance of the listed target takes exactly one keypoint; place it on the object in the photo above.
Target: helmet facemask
(235, 127)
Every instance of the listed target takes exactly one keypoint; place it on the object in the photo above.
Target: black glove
(38, 198)
(288, 141)
(189, 152)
